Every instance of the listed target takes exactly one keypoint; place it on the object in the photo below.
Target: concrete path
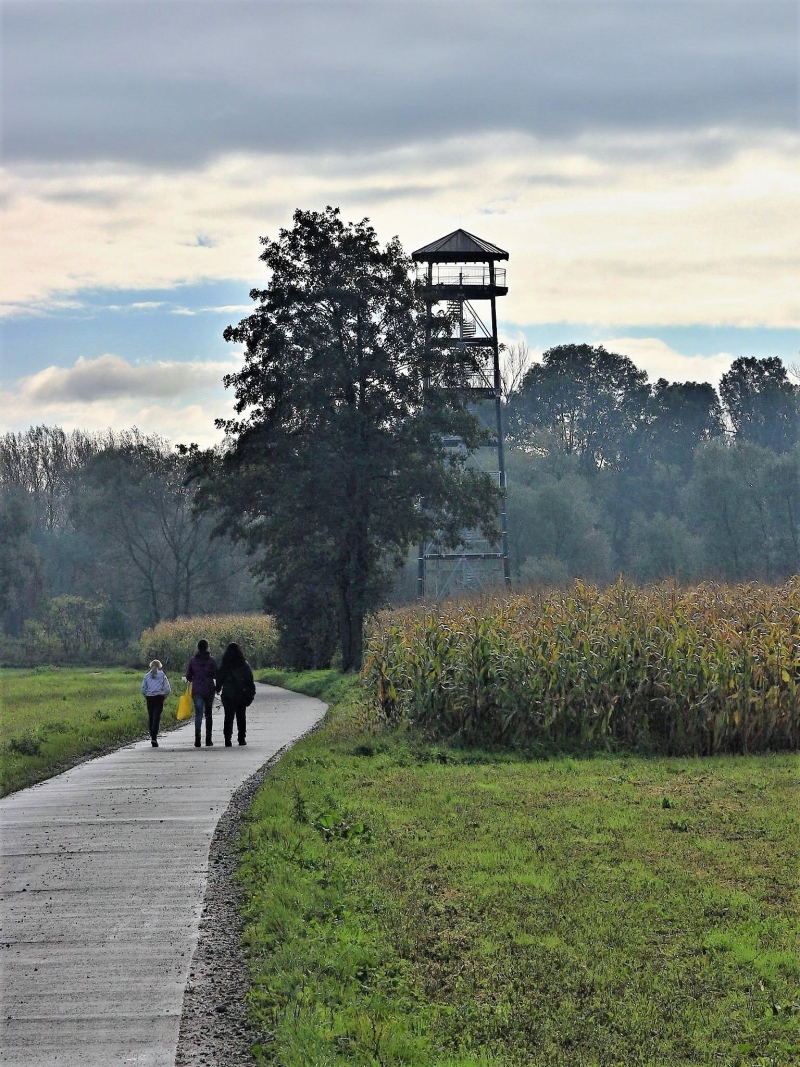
(103, 876)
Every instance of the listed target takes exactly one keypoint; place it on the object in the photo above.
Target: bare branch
(516, 359)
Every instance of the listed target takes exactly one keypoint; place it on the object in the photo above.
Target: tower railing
(458, 274)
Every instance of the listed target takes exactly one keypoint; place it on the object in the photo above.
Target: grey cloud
(85, 197)
(111, 377)
(563, 180)
(377, 193)
(179, 83)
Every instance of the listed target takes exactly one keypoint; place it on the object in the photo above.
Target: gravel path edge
(215, 1030)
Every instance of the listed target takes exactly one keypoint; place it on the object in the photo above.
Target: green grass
(331, 686)
(417, 905)
(53, 717)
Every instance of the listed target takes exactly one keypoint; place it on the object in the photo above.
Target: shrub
(706, 669)
(67, 630)
(27, 744)
(174, 642)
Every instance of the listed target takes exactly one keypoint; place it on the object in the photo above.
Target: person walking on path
(155, 688)
(202, 673)
(237, 689)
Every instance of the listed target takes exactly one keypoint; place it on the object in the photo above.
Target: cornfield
(701, 670)
(174, 642)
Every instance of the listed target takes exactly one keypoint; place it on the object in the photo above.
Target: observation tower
(460, 270)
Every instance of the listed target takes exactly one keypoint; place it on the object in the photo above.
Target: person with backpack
(155, 689)
(202, 673)
(237, 689)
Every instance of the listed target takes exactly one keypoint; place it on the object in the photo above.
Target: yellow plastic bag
(185, 706)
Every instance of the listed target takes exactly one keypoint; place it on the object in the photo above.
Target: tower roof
(459, 247)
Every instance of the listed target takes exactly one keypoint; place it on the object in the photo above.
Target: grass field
(53, 717)
(411, 904)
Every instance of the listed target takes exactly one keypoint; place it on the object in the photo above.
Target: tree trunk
(357, 641)
(355, 573)
(351, 630)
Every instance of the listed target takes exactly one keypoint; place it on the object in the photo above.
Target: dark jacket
(236, 685)
(202, 672)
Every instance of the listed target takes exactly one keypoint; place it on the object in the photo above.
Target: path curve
(101, 889)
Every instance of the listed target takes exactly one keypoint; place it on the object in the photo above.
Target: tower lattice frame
(461, 270)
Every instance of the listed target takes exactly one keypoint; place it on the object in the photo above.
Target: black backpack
(240, 685)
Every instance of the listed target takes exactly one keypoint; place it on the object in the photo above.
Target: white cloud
(192, 424)
(661, 361)
(227, 309)
(644, 236)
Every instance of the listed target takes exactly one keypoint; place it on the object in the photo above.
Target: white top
(156, 687)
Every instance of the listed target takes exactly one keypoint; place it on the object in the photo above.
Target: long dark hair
(232, 657)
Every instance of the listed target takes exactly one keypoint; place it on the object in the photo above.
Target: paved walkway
(103, 877)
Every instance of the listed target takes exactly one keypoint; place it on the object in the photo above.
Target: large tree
(584, 400)
(552, 516)
(20, 562)
(134, 495)
(338, 460)
(761, 402)
(727, 502)
(682, 416)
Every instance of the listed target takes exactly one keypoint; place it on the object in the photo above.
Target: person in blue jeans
(202, 673)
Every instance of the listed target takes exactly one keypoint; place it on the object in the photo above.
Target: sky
(638, 159)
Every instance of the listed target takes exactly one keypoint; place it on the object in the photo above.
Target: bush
(706, 669)
(174, 642)
(68, 630)
(28, 744)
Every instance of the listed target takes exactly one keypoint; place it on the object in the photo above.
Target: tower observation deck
(461, 270)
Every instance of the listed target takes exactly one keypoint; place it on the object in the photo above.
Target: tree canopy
(591, 403)
(682, 416)
(761, 402)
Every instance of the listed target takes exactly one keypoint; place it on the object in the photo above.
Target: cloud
(617, 244)
(653, 355)
(182, 83)
(109, 377)
(661, 361)
(230, 309)
(179, 400)
(227, 309)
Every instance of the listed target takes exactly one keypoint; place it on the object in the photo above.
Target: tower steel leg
(425, 386)
(501, 466)
(501, 452)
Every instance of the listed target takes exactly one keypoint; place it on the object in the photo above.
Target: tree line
(609, 473)
(339, 457)
(101, 539)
